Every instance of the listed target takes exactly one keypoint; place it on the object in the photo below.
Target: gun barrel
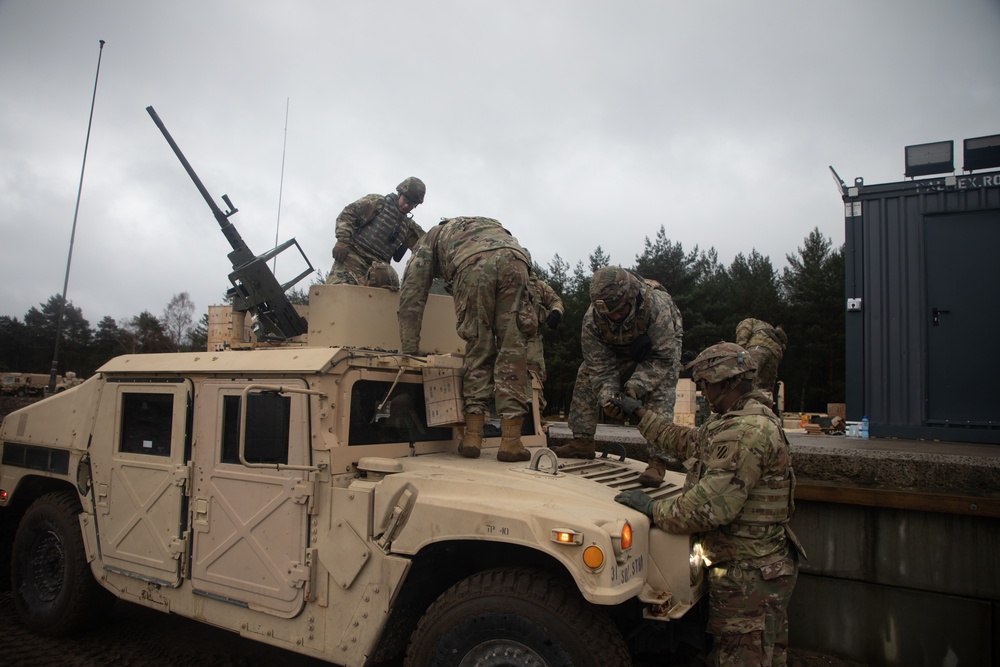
(255, 287)
(187, 165)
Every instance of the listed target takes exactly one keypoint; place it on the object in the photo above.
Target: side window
(402, 418)
(147, 423)
(268, 422)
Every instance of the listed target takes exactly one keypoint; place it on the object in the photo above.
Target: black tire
(54, 590)
(515, 616)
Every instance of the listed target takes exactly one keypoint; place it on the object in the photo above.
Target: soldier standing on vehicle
(738, 496)
(488, 271)
(549, 309)
(631, 342)
(376, 229)
(766, 344)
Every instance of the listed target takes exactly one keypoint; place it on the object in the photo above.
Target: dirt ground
(135, 636)
(10, 403)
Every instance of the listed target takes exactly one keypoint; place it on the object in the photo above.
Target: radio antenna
(281, 187)
(54, 369)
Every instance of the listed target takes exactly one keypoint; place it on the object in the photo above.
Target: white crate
(443, 396)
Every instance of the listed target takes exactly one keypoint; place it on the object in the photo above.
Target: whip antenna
(281, 186)
(54, 370)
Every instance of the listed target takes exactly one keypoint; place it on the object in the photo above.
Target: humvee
(25, 384)
(308, 494)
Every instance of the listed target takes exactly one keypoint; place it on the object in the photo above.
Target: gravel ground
(135, 636)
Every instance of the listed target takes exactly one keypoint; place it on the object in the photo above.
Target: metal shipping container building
(922, 272)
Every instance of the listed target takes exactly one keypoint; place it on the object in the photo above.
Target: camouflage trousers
(748, 612)
(584, 410)
(536, 362)
(767, 368)
(360, 268)
(495, 319)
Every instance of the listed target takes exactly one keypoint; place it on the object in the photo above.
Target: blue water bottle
(864, 428)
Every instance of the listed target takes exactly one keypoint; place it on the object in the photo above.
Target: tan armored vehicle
(25, 384)
(308, 494)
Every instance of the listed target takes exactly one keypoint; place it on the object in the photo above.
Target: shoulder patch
(724, 446)
(721, 451)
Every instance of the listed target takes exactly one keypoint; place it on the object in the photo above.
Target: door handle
(936, 316)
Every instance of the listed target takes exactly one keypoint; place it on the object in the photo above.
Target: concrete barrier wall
(897, 587)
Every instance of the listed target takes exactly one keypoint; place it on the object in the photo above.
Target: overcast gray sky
(577, 124)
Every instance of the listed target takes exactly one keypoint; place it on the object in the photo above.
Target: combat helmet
(413, 189)
(611, 288)
(721, 362)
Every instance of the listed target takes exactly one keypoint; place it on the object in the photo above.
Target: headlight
(698, 559)
(621, 538)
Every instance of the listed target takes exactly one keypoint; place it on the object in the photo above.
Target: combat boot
(472, 439)
(653, 474)
(511, 447)
(576, 448)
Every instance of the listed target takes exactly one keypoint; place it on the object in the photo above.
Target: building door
(963, 318)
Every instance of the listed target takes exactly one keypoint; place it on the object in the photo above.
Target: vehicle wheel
(21, 392)
(515, 616)
(54, 590)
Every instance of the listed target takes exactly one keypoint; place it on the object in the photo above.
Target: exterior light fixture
(927, 159)
(982, 152)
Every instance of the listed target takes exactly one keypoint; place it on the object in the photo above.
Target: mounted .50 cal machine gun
(255, 288)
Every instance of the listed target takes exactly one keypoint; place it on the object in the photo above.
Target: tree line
(28, 346)
(806, 299)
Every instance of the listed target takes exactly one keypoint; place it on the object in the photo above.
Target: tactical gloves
(626, 403)
(637, 500)
(612, 410)
(553, 320)
(340, 251)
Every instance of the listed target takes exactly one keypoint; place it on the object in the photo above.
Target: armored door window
(268, 421)
(146, 423)
(383, 413)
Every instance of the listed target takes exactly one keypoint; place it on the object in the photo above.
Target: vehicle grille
(615, 474)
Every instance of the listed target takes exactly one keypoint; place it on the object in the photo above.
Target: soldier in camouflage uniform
(738, 496)
(488, 272)
(631, 342)
(549, 309)
(766, 344)
(376, 229)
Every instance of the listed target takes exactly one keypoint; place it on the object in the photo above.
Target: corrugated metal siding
(887, 347)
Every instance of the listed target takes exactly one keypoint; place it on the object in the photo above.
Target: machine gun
(255, 288)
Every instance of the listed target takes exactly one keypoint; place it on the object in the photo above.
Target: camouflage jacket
(545, 299)
(751, 332)
(359, 213)
(739, 485)
(604, 343)
(441, 253)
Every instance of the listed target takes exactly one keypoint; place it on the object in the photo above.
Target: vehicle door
(138, 456)
(250, 513)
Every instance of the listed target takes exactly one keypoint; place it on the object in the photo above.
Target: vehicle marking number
(622, 574)
(498, 530)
